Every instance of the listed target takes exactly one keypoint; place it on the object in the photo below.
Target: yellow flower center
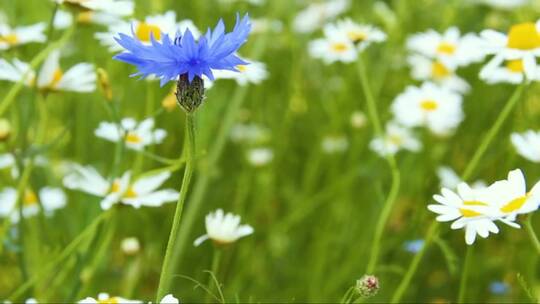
(30, 198)
(242, 68)
(515, 66)
(10, 39)
(133, 138)
(394, 139)
(85, 17)
(113, 300)
(115, 187)
(429, 105)
(446, 48)
(524, 36)
(470, 213)
(339, 47)
(515, 204)
(439, 70)
(130, 193)
(144, 30)
(356, 36)
(57, 76)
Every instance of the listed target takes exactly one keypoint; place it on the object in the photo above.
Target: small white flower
(141, 192)
(450, 47)
(521, 45)
(169, 299)
(252, 72)
(514, 71)
(334, 144)
(103, 298)
(361, 35)
(395, 138)
(135, 135)
(50, 199)
(333, 49)
(223, 228)
(442, 73)
(436, 108)
(316, 14)
(10, 37)
(259, 157)
(527, 144)
(130, 245)
(79, 78)
(153, 25)
(17, 70)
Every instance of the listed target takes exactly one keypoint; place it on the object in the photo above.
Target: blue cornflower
(498, 287)
(184, 55)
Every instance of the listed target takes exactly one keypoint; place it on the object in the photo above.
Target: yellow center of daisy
(113, 300)
(57, 76)
(515, 66)
(10, 39)
(429, 105)
(144, 30)
(339, 47)
(242, 68)
(356, 36)
(85, 17)
(439, 70)
(470, 213)
(133, 138)
(130, 193)
(30, 198)
(394, 139)
(115, 187)
(515, 204)
(446, 48)
(524, 36)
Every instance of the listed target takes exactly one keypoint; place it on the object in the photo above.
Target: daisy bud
(189, 94)
(367, 286)
(104, 84)
(5, 129)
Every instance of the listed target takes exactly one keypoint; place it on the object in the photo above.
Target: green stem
(465, 274)
(54, 264)
(396, 180)
(36, 61)
(203, 179)
(532, 234)
(215, 268)
(167, 269)
(495, 128)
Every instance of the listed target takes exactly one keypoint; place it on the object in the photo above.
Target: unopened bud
(130, 246)
(104, 84)
(367, 286)
(5, 129)
(190, 94)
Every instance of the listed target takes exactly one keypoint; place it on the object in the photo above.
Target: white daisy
(395, 138)
(17, 70)
(223, 228)
(135, 135)
(259, 157)
(169, 299)
(513, 71)
(527, 144)
(153, 25)
(335, 46)
(253, 72)
(521, 43)
(361, 35)
(334, 144)
(468, 208)
(114, 7)
(103, 298)
(316, 14)
(436, 108)
(11, 37)
(79, 78)
(50, 199)
(141, 192)
(450, 47)
(442, 73)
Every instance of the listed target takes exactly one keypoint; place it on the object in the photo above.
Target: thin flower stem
(396, 180)
(532, 234)
(216, 259)
(465, 274)
(493, 131)
(167, 269)
(68, 250)
(36, 61)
